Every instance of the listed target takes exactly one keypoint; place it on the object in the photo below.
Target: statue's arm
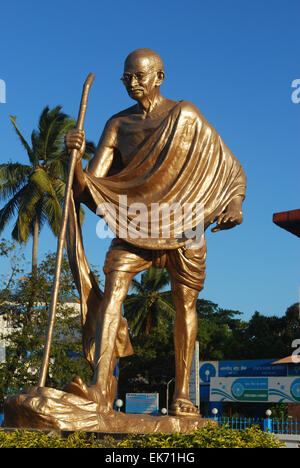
(233, 214)
(102, 160)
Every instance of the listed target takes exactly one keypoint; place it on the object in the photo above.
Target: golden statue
(158, 153)
(155, 152)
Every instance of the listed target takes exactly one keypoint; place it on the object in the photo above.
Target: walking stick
(62, 234)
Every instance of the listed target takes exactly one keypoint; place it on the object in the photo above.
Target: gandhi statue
(157, 151)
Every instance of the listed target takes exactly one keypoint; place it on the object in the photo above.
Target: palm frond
(12, 177)
(166, 307)
(155, 279)
(133, 301)
(25, 223)
(136, 286)
(58, 166)
(133, 322)
(27, 211)
(9, 209)
(59, 187)
(50, 202)
(52, 211)
(36, 191)
(37, 146)
(147, 307)
(22, 139)
(42, 182)
(53, 126)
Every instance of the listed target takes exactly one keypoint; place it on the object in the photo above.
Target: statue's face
(140, 77)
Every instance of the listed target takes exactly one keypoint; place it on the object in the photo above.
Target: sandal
(184, 407)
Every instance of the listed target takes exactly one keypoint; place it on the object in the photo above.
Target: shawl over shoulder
(180, 160)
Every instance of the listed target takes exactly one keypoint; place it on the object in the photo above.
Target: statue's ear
(160, 77)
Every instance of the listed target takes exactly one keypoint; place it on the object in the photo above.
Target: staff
(62, 233)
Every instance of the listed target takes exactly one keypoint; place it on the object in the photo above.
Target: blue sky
(234, 59)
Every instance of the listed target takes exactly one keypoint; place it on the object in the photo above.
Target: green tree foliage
(266, 337)
(149, 306)
(24, 306)
(34, 192)
(215, 328)
(9, 253)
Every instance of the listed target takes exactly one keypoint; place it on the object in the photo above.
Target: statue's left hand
(231, 217)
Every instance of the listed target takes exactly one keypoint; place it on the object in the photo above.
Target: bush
(209, 436)
(38, 439)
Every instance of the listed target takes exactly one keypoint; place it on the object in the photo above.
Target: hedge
(209, 436)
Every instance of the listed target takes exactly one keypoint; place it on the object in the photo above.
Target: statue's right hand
(75, 139)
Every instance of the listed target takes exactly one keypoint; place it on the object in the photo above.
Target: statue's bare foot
(91, 393)
(184, 407)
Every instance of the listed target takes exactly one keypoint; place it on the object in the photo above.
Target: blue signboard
(293, 370)
(256, 368)
(204, 392)
(255, 389)
(142, 403)
(206, 371)
(252, 368)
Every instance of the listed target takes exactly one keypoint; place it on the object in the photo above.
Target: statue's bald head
(143, 75)
(145, 56)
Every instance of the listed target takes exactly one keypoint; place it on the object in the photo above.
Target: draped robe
(173, 156)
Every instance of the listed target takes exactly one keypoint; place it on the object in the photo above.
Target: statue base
(49, 409)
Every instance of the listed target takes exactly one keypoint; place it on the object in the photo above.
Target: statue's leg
(116, 288)
(108, 320)
(185, 331)
(186, 267)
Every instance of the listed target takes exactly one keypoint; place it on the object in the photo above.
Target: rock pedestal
(49, 409)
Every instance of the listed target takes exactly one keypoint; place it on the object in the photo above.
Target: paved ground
(292, 441)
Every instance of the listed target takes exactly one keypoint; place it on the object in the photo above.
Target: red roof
(288, 220)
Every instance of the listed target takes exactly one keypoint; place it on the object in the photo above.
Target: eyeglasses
(139, 76)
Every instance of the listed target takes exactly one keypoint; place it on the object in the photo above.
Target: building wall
(294, 410)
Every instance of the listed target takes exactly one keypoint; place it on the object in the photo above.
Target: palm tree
(149, 305)
(34, 192)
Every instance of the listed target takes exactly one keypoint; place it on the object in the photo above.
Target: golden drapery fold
(180, 160)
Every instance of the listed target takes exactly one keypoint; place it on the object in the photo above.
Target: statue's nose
(133, 80)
